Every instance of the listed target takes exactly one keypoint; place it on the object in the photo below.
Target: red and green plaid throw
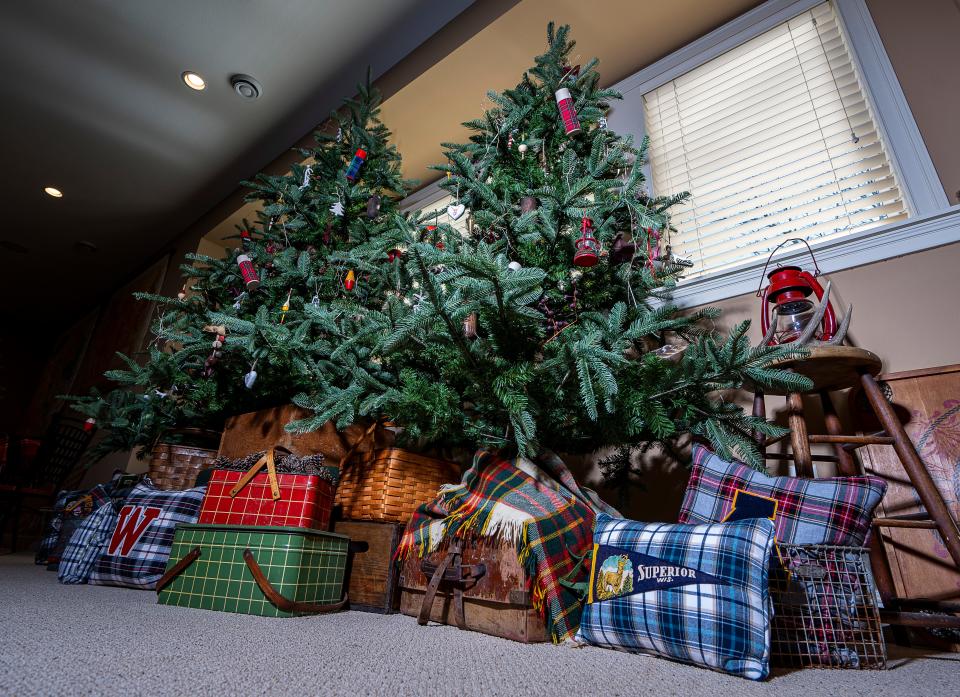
(540, 508)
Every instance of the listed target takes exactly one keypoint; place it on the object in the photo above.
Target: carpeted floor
(90, 640)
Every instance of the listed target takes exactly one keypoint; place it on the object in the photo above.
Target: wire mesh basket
(825, 609)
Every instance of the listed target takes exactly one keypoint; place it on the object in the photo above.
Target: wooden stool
(833, 368)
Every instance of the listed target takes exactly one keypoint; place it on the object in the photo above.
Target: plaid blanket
(539, 508)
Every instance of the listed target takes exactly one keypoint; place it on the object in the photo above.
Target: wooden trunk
(258, 430)
(372, 574)
(497, 604)
(928, 404)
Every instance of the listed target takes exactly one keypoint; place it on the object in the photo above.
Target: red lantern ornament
(393, 255)
(354, 169)
(249, 273)
(89, 424)
(571, 123)
(588, 248)
(786, 305)
(350, 281)
(245, 239)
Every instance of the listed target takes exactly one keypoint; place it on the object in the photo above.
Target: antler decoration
(806, 336)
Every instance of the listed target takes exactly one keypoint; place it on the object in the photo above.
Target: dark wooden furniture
(36, 484)
(832, 368)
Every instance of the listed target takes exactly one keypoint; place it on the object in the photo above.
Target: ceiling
(94, 105)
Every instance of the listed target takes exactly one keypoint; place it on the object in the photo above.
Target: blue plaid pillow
(834, 511)
(136, 552)
(52, 532)
(83, 548)
(694, 593)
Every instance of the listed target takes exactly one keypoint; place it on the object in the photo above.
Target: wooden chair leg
(846, 465)
(919, 477)
(798, 435)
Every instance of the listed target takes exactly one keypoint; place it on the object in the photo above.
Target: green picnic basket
(257, 570)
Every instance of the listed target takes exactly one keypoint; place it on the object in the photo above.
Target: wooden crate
(372, 574)
(498, 604)
(928, 403)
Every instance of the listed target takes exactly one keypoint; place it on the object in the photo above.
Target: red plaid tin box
(268, 488)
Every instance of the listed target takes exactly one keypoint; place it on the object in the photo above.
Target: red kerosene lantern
(787, 305)
(588, 248)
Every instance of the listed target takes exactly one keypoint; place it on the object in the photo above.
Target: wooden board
(372, 575)
(258, 430)
(928, 403)
(498, 604)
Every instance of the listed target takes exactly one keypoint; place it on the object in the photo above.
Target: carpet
(95, 640)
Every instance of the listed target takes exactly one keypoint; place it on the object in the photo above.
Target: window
(433, 199)
(774, 139)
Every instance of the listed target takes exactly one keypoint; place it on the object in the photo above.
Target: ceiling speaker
(246, 86)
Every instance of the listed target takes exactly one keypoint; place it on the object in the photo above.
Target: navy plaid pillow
(52, 532)
(136, 552)
(694, 593)
(834, 511)
(83, 548)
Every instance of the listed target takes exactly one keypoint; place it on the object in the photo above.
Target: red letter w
(134, 521)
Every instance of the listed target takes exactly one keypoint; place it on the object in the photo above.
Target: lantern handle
(763, 274)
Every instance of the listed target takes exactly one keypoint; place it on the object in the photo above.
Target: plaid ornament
(693, 593)
(137, 550)
(83, 548)
(834, 511)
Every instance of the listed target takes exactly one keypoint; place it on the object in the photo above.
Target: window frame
(932, 220)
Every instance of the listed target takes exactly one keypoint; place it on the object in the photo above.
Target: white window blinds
(440, 206)
(773, 139)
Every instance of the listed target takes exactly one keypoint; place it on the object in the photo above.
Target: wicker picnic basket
(388, 484)
(175, 466)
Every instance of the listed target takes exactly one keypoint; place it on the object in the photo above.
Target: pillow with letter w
(136, 553)
(694, 593)
(835, 511)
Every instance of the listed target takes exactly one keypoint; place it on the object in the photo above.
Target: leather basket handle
(178, 568)
(282, 602)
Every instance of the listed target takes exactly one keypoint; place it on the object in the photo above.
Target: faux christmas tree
(548, 324)
(264, 323)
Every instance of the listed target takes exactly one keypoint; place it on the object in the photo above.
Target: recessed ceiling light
(193, 81)
(53, 191)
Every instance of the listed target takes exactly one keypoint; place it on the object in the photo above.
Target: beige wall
(922, 39)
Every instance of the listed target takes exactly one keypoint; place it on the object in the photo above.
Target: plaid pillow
(52, 532)
(83, 548)
(138, 548)
(833, 511)
(694, 593)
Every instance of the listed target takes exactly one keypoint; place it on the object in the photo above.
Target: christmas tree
(261, 325)
(548, 324)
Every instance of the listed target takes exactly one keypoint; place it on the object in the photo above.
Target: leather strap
(451, 570)
(268, 461)
(470, 572)
(280, 601)
(178, 568)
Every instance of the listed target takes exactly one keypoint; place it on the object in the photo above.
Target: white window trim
(933, 222)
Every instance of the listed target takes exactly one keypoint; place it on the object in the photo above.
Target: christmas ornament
(588, 248)
(238, 303)
(393, 255)
(249, 273)
(670, 352)
(181, 296)
(565, 102)
(793, 317)
(373, 206)
(523, 147)
(337, 208)
(510, 139)
(602, 122)
(307, 173)
(250, 378)
(622, 249)
(571, 73)
(354, 169)
(246, 239)
(350, 281)
(514, 266)
(285, 308)
(89, 424)
(529, 204)
(470, 326)
(455, 210)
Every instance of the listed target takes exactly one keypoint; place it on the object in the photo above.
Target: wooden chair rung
(904, 523)
(856, 441)
(816, 457)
